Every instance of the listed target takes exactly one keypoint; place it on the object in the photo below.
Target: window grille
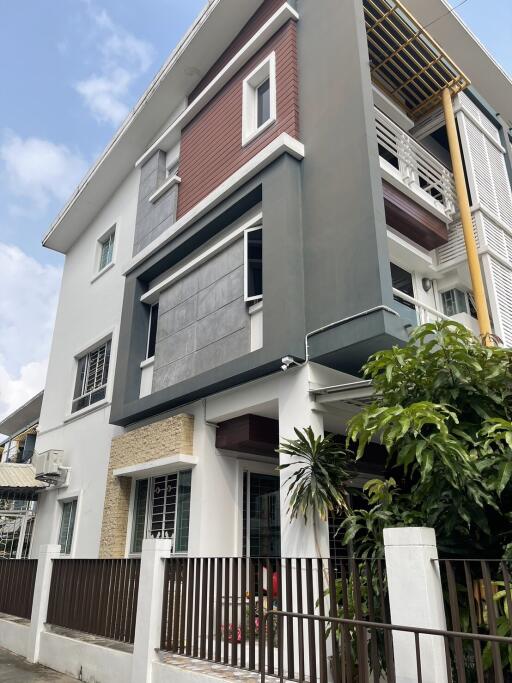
(92, 375)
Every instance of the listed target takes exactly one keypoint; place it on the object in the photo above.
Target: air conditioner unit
(49, 466)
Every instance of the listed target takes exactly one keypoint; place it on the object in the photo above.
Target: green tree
(443, 412)
(318, 483)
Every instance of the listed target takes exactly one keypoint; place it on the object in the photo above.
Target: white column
(416, 599)
(297, 409)
(47, 553)
(149, 607)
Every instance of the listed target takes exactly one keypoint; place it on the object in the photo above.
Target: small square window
(106, 250)
(152, 330)
(253, 262)
(259, 100)
(454, 301)
(67, 526)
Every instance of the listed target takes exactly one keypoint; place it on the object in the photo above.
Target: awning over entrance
(19, 479)
(406, 62)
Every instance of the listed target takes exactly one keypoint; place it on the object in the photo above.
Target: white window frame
(112, 232)
(258, 297)
(78, 358)
(148, 512)
(62, 502)
(265, 70)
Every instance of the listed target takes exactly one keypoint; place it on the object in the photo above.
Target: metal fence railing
(386, 665)
(17, 581)
(95, 596)
(478, 601)
(213, 609)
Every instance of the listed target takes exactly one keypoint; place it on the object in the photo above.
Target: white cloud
(123, 58)
(27, 312)
(40, 170)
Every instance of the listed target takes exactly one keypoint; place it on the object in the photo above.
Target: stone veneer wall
(172, 436)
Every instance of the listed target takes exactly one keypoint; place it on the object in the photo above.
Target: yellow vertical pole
(475, 271)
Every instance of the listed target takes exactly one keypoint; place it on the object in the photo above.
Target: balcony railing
(421, 313)
(404, 160)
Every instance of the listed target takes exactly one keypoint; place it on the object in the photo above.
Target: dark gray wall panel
(153, 218)
(202, 320)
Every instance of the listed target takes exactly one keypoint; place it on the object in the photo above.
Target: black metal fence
(17, 581)
(214, 609)
(365, 668)
(478, 598)
(95, 596)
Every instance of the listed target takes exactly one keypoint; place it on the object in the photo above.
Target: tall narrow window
(152, 329)
(402, 282)
(107, 250)
(263, 97)
(259, 109)
(139, 515)
(91, 377)
(264, 518)
(253, 264)
(67, 526)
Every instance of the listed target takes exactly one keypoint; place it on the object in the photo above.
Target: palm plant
(321, 473)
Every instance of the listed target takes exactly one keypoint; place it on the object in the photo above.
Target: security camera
(287, 362)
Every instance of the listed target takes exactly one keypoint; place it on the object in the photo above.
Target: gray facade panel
(153, 218)
(233, 346)
(220, 293)
(204, 307)
(345, 243)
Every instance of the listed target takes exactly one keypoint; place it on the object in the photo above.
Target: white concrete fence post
(47, 553)
(416, 599)
(149, 607)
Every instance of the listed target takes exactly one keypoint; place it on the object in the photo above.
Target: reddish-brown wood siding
(266, 10)
(211, 145)
(412, 220)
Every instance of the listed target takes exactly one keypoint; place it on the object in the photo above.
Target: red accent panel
(266, 10)
(211, 144)
(412, 220)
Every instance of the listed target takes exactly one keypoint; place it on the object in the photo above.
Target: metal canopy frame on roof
(405, 61)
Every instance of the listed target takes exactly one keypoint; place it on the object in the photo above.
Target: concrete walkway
(14, 669)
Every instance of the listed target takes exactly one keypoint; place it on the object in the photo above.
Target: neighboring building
(279, 205)
(18, 485)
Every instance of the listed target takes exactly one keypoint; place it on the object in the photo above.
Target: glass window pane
(254, 264)
(139, 515)
(183, 518)
(67, 526)
(163, 506)
(107, 251)
(153, 325)
(265, 516)
(263, 97)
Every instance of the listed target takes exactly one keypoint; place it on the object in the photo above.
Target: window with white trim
(91, 377)
(253, 264)
(67, 526)
(107, 249)
(161, 509)
(457, 301)
(259, 110)
(152, 330)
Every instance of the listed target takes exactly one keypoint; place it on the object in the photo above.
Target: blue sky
(70, 71)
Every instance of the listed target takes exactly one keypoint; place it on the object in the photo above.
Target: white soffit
(184, 69)
(488, 78)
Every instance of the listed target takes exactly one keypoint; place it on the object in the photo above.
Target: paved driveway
(14, 669)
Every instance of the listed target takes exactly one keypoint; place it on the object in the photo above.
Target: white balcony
(413, 170)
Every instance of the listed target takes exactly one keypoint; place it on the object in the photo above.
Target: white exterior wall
(89, 309)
